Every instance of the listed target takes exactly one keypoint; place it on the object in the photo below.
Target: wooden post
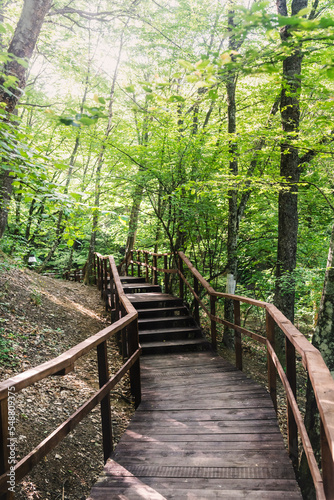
(117, 308)
(133, 344)
(290, 353)
(155, 272)
(327, 464)
(126, 265)
(213, 300)
(270, 330)
(131, 255)
(181, 289)
(125, 350)
(95, 268)
(102, 359)
(146, 266)
(139, 267)
(101, 278)
(105, 284)
(196, 307)
(112, 291)
(166, 274)
(237, 336)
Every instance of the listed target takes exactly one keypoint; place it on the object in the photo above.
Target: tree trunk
(289, 170)
(232, 230)
(90, 260)
(323, 339)
(133, 222)
(21, 46)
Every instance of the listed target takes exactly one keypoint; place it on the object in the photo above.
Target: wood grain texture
(202, 431)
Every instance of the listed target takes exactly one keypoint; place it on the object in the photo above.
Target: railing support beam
(270, 330)
(213, 300)
(138, 265)
(290, 354)
(166, 274)
(102, 358)
(133, 344)
(327, 465)
(237, 335)
(196, 307)
(155, 272)
(181, 287)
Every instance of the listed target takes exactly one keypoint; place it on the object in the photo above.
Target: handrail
(320, 377)
(62, 365)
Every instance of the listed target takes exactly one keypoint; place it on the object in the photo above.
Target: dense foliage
(123, 129)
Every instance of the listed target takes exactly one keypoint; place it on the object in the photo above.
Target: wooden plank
(202, 430)
(156, 446)
(201, 405)
(229, 459)
(213, 392)
(274, 437)
(195, 435)
(195, 483)
(204, 414)
(150, 297)
(113, 468)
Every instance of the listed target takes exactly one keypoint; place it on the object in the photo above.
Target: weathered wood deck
(203, 431)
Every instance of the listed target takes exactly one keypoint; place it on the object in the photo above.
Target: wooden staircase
(164, 322)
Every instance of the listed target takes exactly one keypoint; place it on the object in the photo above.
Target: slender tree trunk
(59, 235)
(137, 197)
(95, 221)
(232, 230)
(21, 46)
(133, 222)
(289, 170)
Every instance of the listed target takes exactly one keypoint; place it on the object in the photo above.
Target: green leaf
(130, 88)
(85, 120)
(326, 22)
(192, 78)
(304, 12)
(213, 94)
(330, 73)
(176, 98)
(66, 121)
(185, 64)
(202, 64)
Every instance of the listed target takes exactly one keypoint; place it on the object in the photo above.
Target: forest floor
(40, 318)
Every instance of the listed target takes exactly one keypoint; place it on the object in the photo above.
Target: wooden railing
(319, 375)
(74, 275)
(150, 266)
(126, 320)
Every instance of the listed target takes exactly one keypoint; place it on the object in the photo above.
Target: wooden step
(132, 279)
(140, 288)
(163, 312)
(174, 345)
(147, 300)
(165, 321)
(166, 334)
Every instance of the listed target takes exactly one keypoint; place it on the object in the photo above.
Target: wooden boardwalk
(203, 431)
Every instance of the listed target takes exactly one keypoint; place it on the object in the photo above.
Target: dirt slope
(40, 318)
